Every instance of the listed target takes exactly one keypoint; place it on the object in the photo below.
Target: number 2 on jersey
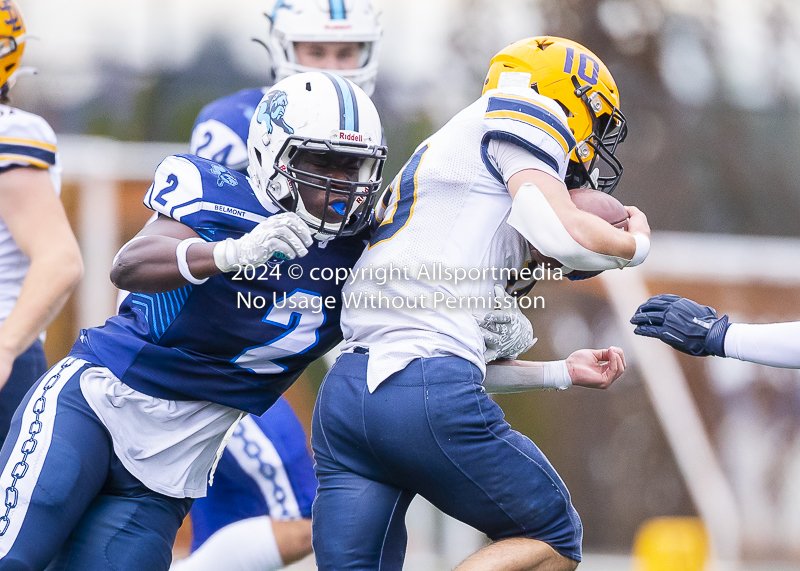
(173, 184)
(403, 209)
(301, 315)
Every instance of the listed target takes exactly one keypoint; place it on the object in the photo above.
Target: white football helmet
(325, 21)
(323, 113)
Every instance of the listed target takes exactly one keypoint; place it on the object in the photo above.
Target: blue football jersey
(241, 338)
(220, 130)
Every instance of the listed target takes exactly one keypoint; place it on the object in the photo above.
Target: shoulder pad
(533, 122)
(177, 188)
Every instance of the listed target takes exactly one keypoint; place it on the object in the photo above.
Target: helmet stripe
(337, 10)
(348, 108)
(355, 103)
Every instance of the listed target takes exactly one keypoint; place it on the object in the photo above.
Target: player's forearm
(597, 235)
(150, 264)
(47, 286)
(554, 226)
(522, 376)
(773, 344)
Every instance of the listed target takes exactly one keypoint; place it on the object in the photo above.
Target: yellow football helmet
(12, 41)
(581, 84)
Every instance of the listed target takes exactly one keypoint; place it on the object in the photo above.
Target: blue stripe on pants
(76, 505)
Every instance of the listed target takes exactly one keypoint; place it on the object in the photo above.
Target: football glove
(507, 333)
(683, 324)
(285, 233)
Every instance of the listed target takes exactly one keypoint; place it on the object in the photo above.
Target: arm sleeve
(773, 344)
(533, 376)
(534, 218)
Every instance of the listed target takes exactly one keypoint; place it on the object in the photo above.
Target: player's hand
(507, 333)
(637, 221)
(285, 233)
(682, 324)
(596, 368)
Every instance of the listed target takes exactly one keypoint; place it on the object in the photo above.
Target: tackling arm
(149, 263)
(31, 209)
(167, 254)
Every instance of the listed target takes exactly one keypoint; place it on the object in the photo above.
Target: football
(603, 205)
(599, 203)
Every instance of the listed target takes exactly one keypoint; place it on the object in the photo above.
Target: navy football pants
(431, 430)
(27, 369)
(67, 498)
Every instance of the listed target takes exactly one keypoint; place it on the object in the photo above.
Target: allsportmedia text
(381, 275)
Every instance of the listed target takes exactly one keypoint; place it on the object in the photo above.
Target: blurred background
(711, 91)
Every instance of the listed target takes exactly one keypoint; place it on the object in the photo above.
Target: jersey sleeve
(25, 140)
(532, 122)
(177, 189)
(210, 199)
(509, 159)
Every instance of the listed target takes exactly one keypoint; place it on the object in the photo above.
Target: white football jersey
(445, 219)
(25, 139)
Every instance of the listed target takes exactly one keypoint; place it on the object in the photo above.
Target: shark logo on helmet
(272, 110)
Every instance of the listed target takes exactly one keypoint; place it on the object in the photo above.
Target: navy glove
(682, 324)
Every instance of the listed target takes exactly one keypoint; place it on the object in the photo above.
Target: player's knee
(562, 562)
(559, 562)
(64, 472)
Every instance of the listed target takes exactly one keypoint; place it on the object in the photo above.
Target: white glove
(285, 233)
(507, 333)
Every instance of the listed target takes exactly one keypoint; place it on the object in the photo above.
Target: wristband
(642, 249)
(183, 265)
(715, 340)
(225, 255)
(556, 376)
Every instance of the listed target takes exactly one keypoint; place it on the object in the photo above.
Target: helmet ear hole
(258, 157)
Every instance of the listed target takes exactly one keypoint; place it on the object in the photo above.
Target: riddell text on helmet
(351, 136)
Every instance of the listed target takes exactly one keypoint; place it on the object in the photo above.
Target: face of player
(329, 165)
(328, 55)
